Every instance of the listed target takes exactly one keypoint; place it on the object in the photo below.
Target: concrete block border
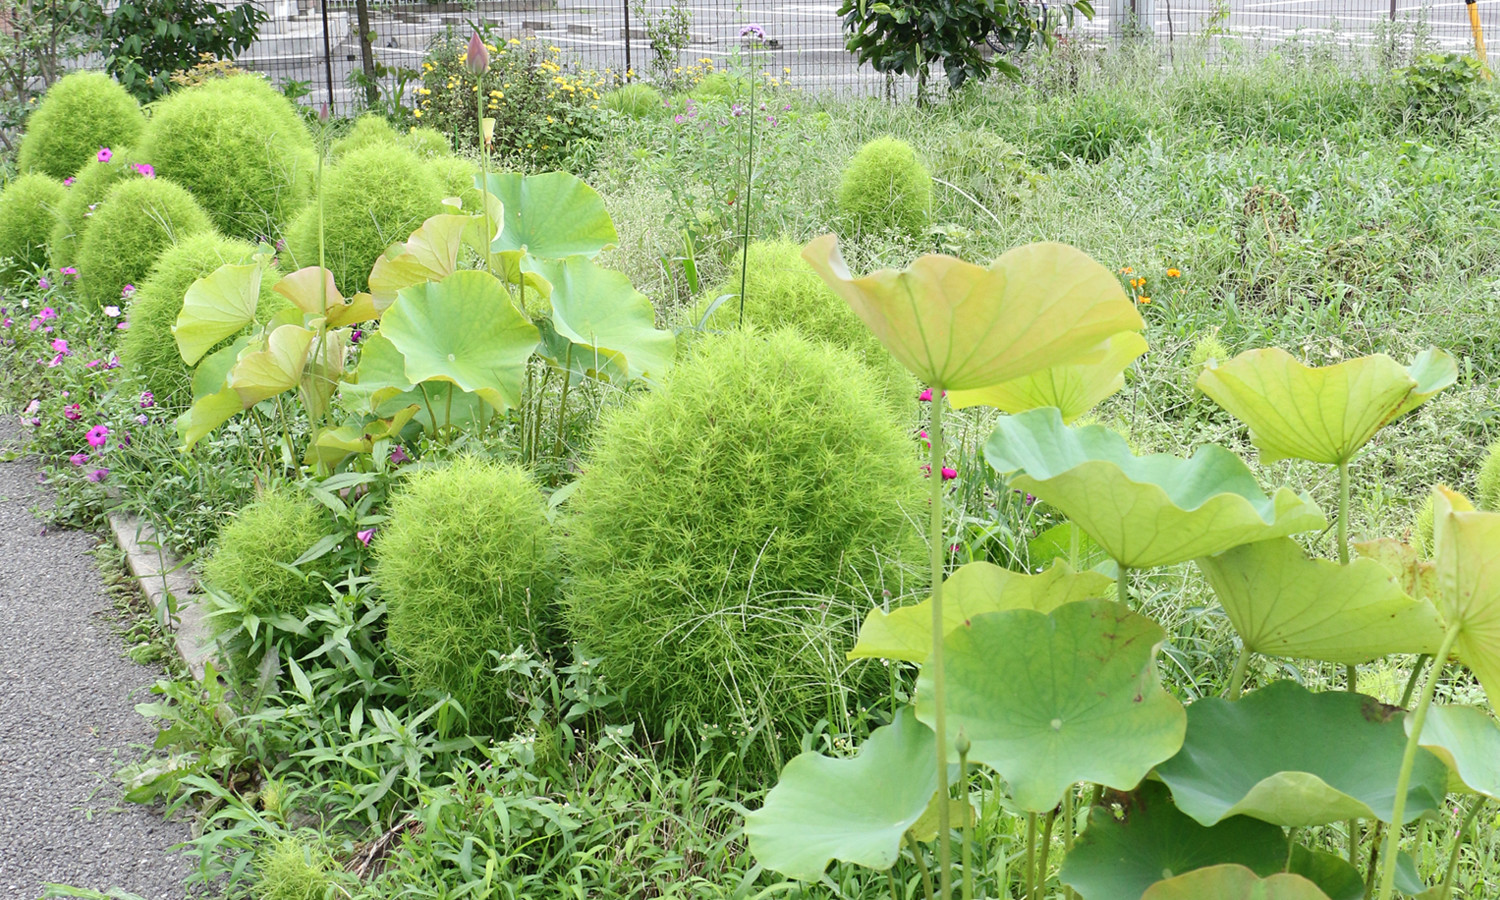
(167, 585)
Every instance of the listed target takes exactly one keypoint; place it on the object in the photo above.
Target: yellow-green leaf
(430, 254)
(218, 305)
(274, 369)
(1233, 882)
(1468, 583)
(1073, 388)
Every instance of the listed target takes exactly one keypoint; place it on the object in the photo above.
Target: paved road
(66, 716)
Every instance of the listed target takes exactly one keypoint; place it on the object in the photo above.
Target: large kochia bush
(885, 187)
(254, 552)
(239, 148)
(28, 211)
(467, 565)
(138, 220)
(81, 113)
(81, 201)
(730, 528)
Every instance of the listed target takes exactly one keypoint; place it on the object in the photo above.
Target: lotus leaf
(1322, 414)
(606, 319)
(979, 587)
(1417, 577)
(1468, 583)
(1232, 882)
(318, 296)
(1284, 604)
(381, 387)
(430, 254)
(1292, 757)
(466, 331)
(218, 305)
(1468, 741)
(1073, 388)
(274, 368)
(1143, 510)
(1051, 699)
(960, 326)
(1057, 543)
(549, 216)
(855, 810)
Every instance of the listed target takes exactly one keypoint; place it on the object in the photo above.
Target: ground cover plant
(1196, 345)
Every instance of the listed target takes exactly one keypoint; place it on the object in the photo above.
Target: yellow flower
(1127, 271)
(417, 113)
(513, 41)
(1174, 273)
(1143, 299)
(496, 94)
(786, 70)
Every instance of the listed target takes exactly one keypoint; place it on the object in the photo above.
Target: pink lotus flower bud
(479, 55)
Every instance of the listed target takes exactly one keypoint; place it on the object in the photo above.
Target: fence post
(625, 5)
(327, 54)
(1132, 17)
(366, 52)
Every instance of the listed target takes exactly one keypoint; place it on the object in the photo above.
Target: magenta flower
(43, 283)
(68, 182)
(69, 270)
(364, 536)
(112, 311)
(47, 314)
(98, 475)
(6, 322)
(145, 170)
(127, 291)
(105, 154)
(93, 364)
(98, 436)
(398, 455)
(925, 396)
(148, 399)
(356, 336)
(59, 345)
(56, 361)
(949, 473)
(34, 324)
(142, 419)
(78, 459)
(679, 119)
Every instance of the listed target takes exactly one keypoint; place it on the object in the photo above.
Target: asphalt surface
(67, 717)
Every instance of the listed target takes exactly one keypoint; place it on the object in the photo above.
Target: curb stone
(169, 588)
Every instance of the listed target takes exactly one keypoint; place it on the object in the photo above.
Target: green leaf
(312, 291)
(855, 810)
(1057, 543)
(1291, 757)
(979, 587)
(1284, 604)
(430, 254)
(1230, 882)
(466, 331)
(218, 305)
(1468, 582)
(264, 373)
(1092, 708)
(1467, 740)
(1143, 510)
(606, 319)
(960, 326)
(1074, 388)
(1332, 874)
(1120, 855)
(549, 216)
(1322, 414)
(207, 413)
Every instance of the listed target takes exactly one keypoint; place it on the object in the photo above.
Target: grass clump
(1487, 493)
(374, 197)
(255, 550)
(467, 566)
(728, 531)
(28, 213)
(885, 187)
(148, 350)
(636, 100)
(138, 220)
(79, 114)
(242, 154)
(294, 868)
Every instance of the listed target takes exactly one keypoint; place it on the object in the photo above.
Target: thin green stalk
(427, 401)
(916, 854)
(1031, 856)
(1291, 844)
(890, 875)
(1458, 842)
(1070, 814)
(1374, 858)
(1237, 677)
(962, 745)
(1351, 676)
(562, 406)
(1122, 583)
(749, 182)
(1411, 683)
(1041, 867)
(1409, 759)
(939, 682)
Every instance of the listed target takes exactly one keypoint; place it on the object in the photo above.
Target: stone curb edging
(165, 581)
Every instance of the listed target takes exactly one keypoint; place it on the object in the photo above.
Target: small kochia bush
(28, 213)
(255, 550)
(729, 530)
(148, 350)
(294, 868)
(455, 175)
(81, 113)
(428, 143)
(245, 157)
(885, 187)
(369, 129)
(467, 566)
(636, 100)
(79, 203)
(376, 196)
(138, 220)
(1487, 496)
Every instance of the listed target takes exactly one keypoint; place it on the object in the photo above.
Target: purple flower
(69, 270)
(43, 283)
(123, 440)
(56, 361)
(6, 322)
(98, 436)
(127, 291)
(98, 475)
(148, 399)
(736, 110)
(78, 459)
(112, 311)
(142, 419)
(356, 336)
(754, 31)
(114, 363)
(398, 455)
(34, 324)
(60, 345)
(364, 536)
(105, 154)
(679, 119)
(47, 314)
(145, 170)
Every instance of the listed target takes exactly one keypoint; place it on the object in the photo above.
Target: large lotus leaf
(312, 291)
(1332, 874)
(1284, 604)
(466, 331)
(323, 372)
(273, 369)
(1468, 582)
(1073, 388)
(1417, 576)
(207, 413)
(380, 386)
(1468, 741)
(216, 306)
(1327, 413)
(605, 318)
(979, 587)
(1294, 758)
(855, 810)
(1049, 700)
(1143, 510)
(430, 254)
(1231, 882)
(1057, 543)
(549, 216)
(960, 326)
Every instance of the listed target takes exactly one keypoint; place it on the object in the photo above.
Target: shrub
(466, 566)
(455, 174)
(294, 868)
(368, 130)
(376, 196)
(429, 143)
(28, 213)
(250, 562)
(139, 218)
(1487, 497)
(80, 113)
(83, 196)
(886, 188)
(244, 154)
(782, 291)
(148, 350)
(636, 100)
(729, 529)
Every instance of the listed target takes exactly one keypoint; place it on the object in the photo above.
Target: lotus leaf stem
(1237, 677)
(1458, 843)
(1031, 856)
(939, 693)
(1041, 866)
(968, 825)
(916, 853)
(1411, 683)
(1122, 583)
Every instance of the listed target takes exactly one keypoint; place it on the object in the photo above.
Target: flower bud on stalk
(478, 56)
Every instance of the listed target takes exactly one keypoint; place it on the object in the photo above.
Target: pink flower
(69, 270)
(364, 536)
(32, 407)
(6, 322)
(47, 314)
(60, 346)
(127, 291)
(949, 473)
(112, 311)
(78, 459)
(43, 283)
(56, 361)
(142, 419)
(34, 324)
(98, 475)
(93, 364)
(123, 326)
(98, 436)
(145, 170)
(398, 455)
(105, 154)
(478, 58)
(68, 182)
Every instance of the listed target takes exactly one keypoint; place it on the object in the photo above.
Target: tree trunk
(366, 52)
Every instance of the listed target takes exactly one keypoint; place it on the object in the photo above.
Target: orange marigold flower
(1143, 299)
(1174, 273)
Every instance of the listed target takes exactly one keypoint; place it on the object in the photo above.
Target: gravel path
(67, 697)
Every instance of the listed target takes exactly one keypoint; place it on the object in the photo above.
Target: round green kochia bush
(368, 130)
(376, 196)
(83, 197)
(782, 291)
(428, 143)
(138, 220)
(1487, 495)
(81, 113)
(467, 565)
(245, 156)
(455, 176)
(636, 100)
(250, 561)
(885, 187)
(28, 213)
(729, 531)
(148, 351)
